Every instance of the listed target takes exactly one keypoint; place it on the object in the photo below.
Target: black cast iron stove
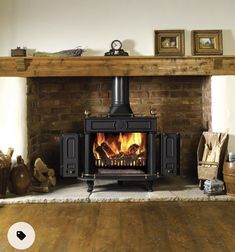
(120, 145)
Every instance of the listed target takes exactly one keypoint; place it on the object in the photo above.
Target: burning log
(132, 157)
(102, 153)
(120, 155)
(142, 155)
(133, 149)
(107, 149)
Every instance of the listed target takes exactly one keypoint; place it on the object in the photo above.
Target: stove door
(69, 159)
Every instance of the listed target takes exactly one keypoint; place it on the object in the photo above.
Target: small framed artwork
(169, 43)
(207, 42)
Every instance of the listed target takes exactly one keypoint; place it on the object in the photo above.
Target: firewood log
(107, 149)
(40, 165)
(119, 155)
(142, 155)
(44, 175)
(5, 159)
(101, 152)
(10, 152)
(133, 149)
(52, 180)
(40, 188)
(131, 157)
(51, 172)
(40, 176)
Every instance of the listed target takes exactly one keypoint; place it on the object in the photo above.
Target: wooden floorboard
(125, 227)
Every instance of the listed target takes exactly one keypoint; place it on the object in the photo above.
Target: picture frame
(169, 42)
(207, 42)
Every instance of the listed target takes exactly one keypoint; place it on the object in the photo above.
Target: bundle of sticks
(5, 159)
(44, 177)
(5, 166)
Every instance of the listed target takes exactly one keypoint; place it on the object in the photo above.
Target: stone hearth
(170, 189)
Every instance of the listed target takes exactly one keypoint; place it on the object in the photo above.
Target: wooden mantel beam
(116, 66)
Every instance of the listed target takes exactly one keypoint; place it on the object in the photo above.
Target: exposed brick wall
(57, 105)
(206, 103)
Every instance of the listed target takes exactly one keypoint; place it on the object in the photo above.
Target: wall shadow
(228, 42)
(129, 46)
(91, 52)
(231, 143)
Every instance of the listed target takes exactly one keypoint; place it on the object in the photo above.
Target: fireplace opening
(56, 105)
(123, 150)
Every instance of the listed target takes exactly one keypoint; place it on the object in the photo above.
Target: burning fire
(125, 146)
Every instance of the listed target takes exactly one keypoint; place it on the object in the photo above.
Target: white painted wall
(59, 24)
(53, 25)
(13, 115)
(223, 107)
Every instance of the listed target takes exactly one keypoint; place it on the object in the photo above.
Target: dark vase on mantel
(20, 178)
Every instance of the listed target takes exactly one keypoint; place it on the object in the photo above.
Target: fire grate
(119, 171)
(119, 162)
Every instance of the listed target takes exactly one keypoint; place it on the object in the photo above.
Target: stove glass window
(120, 149)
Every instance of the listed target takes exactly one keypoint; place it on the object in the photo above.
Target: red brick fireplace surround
(57, 105)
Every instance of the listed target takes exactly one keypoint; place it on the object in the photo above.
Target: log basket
(211, 152)
(5, 166)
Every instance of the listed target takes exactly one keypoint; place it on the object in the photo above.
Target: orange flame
(121, 143)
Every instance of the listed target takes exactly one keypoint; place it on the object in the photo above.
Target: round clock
(116, 45)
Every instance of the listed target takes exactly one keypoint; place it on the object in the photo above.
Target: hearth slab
(109, 191)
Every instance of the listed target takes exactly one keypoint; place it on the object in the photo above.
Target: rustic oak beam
(116, 66)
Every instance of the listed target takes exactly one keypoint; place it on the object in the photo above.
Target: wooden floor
(149, 226)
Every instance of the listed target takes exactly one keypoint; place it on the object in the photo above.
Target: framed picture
(169, 43)
(207, 42)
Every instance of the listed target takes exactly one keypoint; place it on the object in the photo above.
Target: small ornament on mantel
(44, 177)
(64, 53)
(116, 49)
(18, 52)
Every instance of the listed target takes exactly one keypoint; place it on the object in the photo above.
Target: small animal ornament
(44, 176)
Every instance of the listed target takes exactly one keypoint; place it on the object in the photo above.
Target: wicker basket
(207, 171)
(5, 166)
(4, 174)
(211, 169)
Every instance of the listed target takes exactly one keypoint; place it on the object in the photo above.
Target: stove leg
(90, 184)
(149, 185)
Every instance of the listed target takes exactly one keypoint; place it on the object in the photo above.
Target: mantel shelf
(116, 66)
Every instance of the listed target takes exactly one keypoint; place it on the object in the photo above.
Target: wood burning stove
(120, 145)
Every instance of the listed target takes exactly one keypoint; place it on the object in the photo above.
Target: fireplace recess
(120, 122)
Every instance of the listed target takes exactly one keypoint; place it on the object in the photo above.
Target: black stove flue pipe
(120, 97)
